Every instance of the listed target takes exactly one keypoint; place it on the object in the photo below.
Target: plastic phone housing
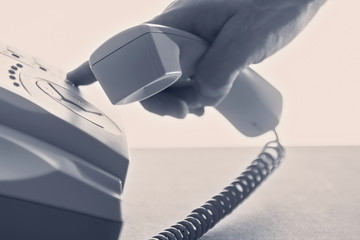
(141, 61)
(63, 162)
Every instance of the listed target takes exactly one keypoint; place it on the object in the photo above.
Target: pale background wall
(317, 74)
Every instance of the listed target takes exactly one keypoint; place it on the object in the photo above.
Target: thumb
(81, 75)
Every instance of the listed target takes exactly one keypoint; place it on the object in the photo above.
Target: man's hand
(240, 33)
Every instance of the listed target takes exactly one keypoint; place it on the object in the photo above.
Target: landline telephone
(63, 162)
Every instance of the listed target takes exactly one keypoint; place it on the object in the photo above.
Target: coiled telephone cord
(202, 219)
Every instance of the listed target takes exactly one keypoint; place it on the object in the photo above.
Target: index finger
(81, 75)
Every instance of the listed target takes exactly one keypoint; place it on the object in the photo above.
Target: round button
(77, 105)
(64, 101)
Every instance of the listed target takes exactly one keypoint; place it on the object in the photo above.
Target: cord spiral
(202, 219)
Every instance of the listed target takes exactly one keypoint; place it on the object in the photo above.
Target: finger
(248, 39)
(197, 111)
(164, 103)
(81, 75)
(190, 94)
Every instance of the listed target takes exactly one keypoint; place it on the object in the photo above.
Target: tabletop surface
(314, 194)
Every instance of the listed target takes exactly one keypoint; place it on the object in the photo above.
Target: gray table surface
(314, 194)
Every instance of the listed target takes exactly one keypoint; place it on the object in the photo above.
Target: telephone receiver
(144, 60)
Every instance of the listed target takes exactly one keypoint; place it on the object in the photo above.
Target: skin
(240, 33)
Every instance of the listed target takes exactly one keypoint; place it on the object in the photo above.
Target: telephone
(64, 161)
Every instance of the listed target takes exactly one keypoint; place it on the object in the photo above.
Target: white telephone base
(63, 162)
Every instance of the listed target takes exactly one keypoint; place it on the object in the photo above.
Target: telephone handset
(149, 58)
